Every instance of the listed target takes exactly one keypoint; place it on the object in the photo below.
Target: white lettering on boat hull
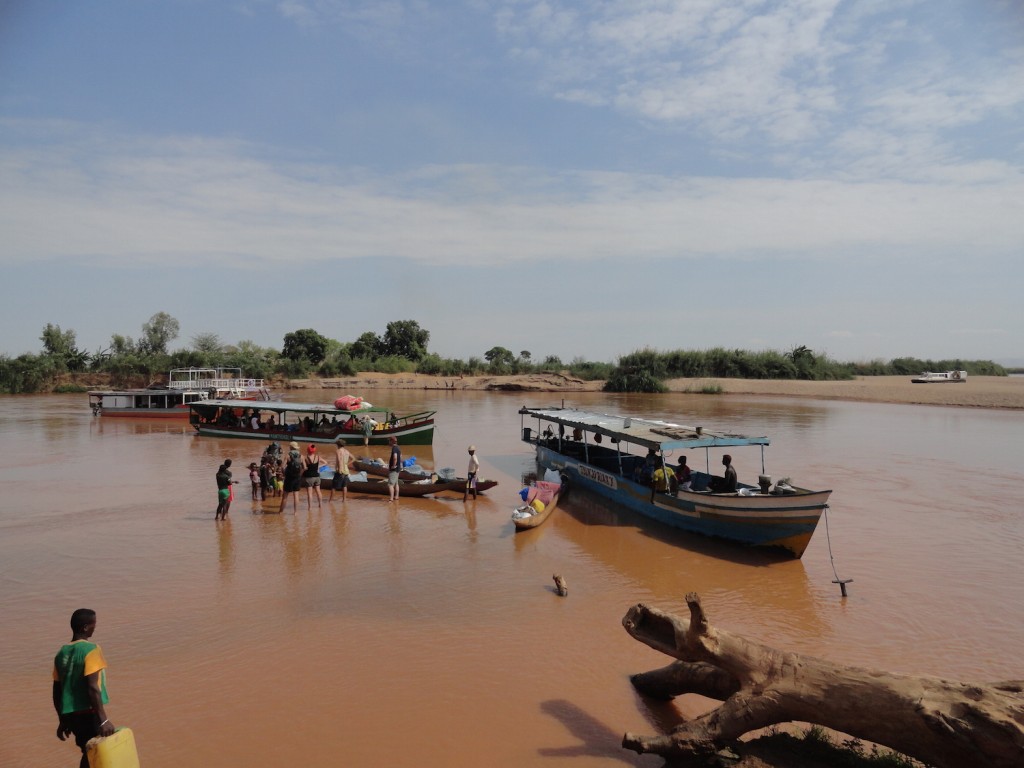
(597, 476)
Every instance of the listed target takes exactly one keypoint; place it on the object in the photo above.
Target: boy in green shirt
(80, 685)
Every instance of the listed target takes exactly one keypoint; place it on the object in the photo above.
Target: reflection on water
(367, 632)
(737, 581)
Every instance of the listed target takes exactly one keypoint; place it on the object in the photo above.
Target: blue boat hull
(764, 520)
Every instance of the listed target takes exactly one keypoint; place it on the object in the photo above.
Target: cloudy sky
(568, 178)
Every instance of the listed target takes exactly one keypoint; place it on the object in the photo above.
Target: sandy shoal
(976, 392)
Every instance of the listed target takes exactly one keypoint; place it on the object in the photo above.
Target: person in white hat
(471, 473)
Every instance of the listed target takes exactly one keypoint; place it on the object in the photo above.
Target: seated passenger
(683, 474)
(663, 479)
(726, 483)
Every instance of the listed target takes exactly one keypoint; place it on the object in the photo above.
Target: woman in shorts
(311, 476)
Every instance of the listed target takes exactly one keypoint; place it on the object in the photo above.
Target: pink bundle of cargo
(348, 403)
(544, 491)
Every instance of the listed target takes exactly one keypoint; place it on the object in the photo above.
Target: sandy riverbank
(977, 392)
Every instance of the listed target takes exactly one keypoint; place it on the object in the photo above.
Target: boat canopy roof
(279, 406)
(651, 433)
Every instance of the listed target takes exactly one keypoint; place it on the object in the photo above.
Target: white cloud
(708, 63)
(124, 201)
(806, 79)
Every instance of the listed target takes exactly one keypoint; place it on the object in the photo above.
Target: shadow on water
(739, 581)
(596, 738)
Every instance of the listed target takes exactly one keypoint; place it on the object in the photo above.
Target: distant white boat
(944, 377)
(184, 386)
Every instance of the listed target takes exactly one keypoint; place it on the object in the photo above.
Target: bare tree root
(940, 722)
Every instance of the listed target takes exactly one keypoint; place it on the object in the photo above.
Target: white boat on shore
(943, 377)
(184, 386)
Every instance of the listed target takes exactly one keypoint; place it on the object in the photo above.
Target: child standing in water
(254, 478)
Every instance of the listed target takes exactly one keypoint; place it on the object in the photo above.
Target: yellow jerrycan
(115, 751)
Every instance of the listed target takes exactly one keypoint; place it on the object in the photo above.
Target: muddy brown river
(427, 633)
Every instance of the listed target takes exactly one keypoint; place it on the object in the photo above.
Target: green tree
(305, 344)
(122, 345)
(367, 347)
(499, 359)
(337, 361)
(633, 378)
(56, 342)
(207, 343)
(552, 363)
(60, 347)
(157, 332)
(255, 361)
(26, 373)
(405, 338)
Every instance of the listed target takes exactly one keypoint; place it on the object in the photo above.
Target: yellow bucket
(115, 751)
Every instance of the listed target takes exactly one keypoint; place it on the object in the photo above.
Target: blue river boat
(627, 459)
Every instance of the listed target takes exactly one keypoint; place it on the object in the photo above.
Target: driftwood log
(561, 588)
(940, 722)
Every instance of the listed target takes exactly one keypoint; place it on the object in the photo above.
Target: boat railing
(241, 385)
(414, 418)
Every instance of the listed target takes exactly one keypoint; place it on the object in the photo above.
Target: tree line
(404, 348)
(645, 370)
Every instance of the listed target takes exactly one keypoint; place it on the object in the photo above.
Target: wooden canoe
(458, 484)
(525, 522)
(379, 487)
(373, 487)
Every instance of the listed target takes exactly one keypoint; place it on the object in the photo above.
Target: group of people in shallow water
(284, 475)
(303, 471)
(279, 475)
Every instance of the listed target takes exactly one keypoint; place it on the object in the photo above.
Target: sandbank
(976, 392)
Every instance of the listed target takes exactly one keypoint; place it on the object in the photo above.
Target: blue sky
(575, 179)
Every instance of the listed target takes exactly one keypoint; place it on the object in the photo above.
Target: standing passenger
(278, 477)
(254, 480)
(225, 494)
(471, 473)
(342, 462)
(368, 424)
(394, 467)
(80, 685)
(292, 476)
(266, 477)
(311, 477)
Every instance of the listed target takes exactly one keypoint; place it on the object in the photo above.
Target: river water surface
(428, 633)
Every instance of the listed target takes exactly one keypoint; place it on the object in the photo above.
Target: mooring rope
(829, 540)
(841, 582)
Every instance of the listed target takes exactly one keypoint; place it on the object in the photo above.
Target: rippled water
(428, 633)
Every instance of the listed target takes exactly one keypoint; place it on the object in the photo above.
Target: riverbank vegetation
(404, 348)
